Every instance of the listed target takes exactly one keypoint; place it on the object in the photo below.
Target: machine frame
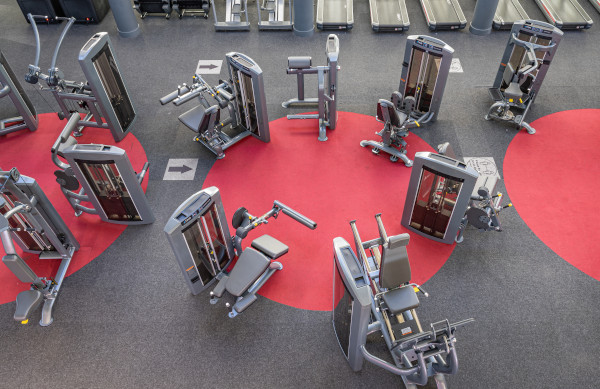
(10, 86)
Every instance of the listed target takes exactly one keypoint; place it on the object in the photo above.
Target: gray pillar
(127, 23)
(483, 17)
(304, 16)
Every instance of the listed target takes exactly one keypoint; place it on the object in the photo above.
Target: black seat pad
(26, 302)
(401, 300)
(246, 271)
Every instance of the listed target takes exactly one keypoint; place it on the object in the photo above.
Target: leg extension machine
(10, 86)
(203, 247)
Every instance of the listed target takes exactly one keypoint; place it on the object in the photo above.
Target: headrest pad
(398, 241)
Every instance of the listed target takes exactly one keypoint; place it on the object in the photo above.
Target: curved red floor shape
(552, 179)
(330, 182)
(30, 153)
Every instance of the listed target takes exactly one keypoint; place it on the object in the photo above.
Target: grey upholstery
(198, 118)
(513, 91)
(220, 288)
(401, 300)
(27, 301)
(299, 62)
(246, 271)
(270, 246)
(20, 268)
(395, 267)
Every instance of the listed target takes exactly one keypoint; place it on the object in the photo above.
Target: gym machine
(10, 86)
(507, 13)
(233, 16)
(106, 177)
(327, 87)
(375, 294)
(445, 195)
(443, 14)
(103, 97)
(424, 73)
(243, 96)
(528, 54)
(335, 14)
(565, 14)
(389, 15)
(191, 8)
(276, 15)
(204, 248)
(153, 7)
(596, 4)
(28, 218)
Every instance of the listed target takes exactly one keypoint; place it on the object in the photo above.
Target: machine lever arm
(175, 94)
(295, 215)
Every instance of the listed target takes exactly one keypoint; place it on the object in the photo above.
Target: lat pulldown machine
(28, 218)
(103, 97)
(375, 294)
(10, 86)
(203, 247)
(106, 177)
(327, 88)
(424, 73)
(527, 57)
(243, 96)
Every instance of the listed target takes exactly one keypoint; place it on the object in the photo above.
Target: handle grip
(187, 97)
(67, 131)
(296, 215)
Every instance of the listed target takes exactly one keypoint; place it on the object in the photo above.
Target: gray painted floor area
(127, 319)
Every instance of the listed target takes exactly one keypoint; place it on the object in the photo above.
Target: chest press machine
(525, 62)
(28, 218)
(375, 294)
(10, 86)
(243, 95)
(422, 82)
(103, 98)
(327, 87)
(204, 249)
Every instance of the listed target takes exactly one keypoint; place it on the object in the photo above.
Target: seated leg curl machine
(375, 294)
(28, 218)
(327, 78)
(528, 54)
(424, 73)
(103, 97)
(204, 249)
(11, 87)
(244, 97)
(106, 176)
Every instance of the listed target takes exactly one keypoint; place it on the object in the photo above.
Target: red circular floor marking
(330, 182)
(30, 153)
(552, 178)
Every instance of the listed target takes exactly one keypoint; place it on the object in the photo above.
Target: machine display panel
(109, 188)
(24, 230)
(435, 202)
(113, 85)
(206, 244)
(11, 75)
(422, 77)
(342, 309)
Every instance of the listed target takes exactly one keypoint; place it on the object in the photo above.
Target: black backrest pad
(395, 266)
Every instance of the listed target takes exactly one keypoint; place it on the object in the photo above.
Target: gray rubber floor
(127, 319)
